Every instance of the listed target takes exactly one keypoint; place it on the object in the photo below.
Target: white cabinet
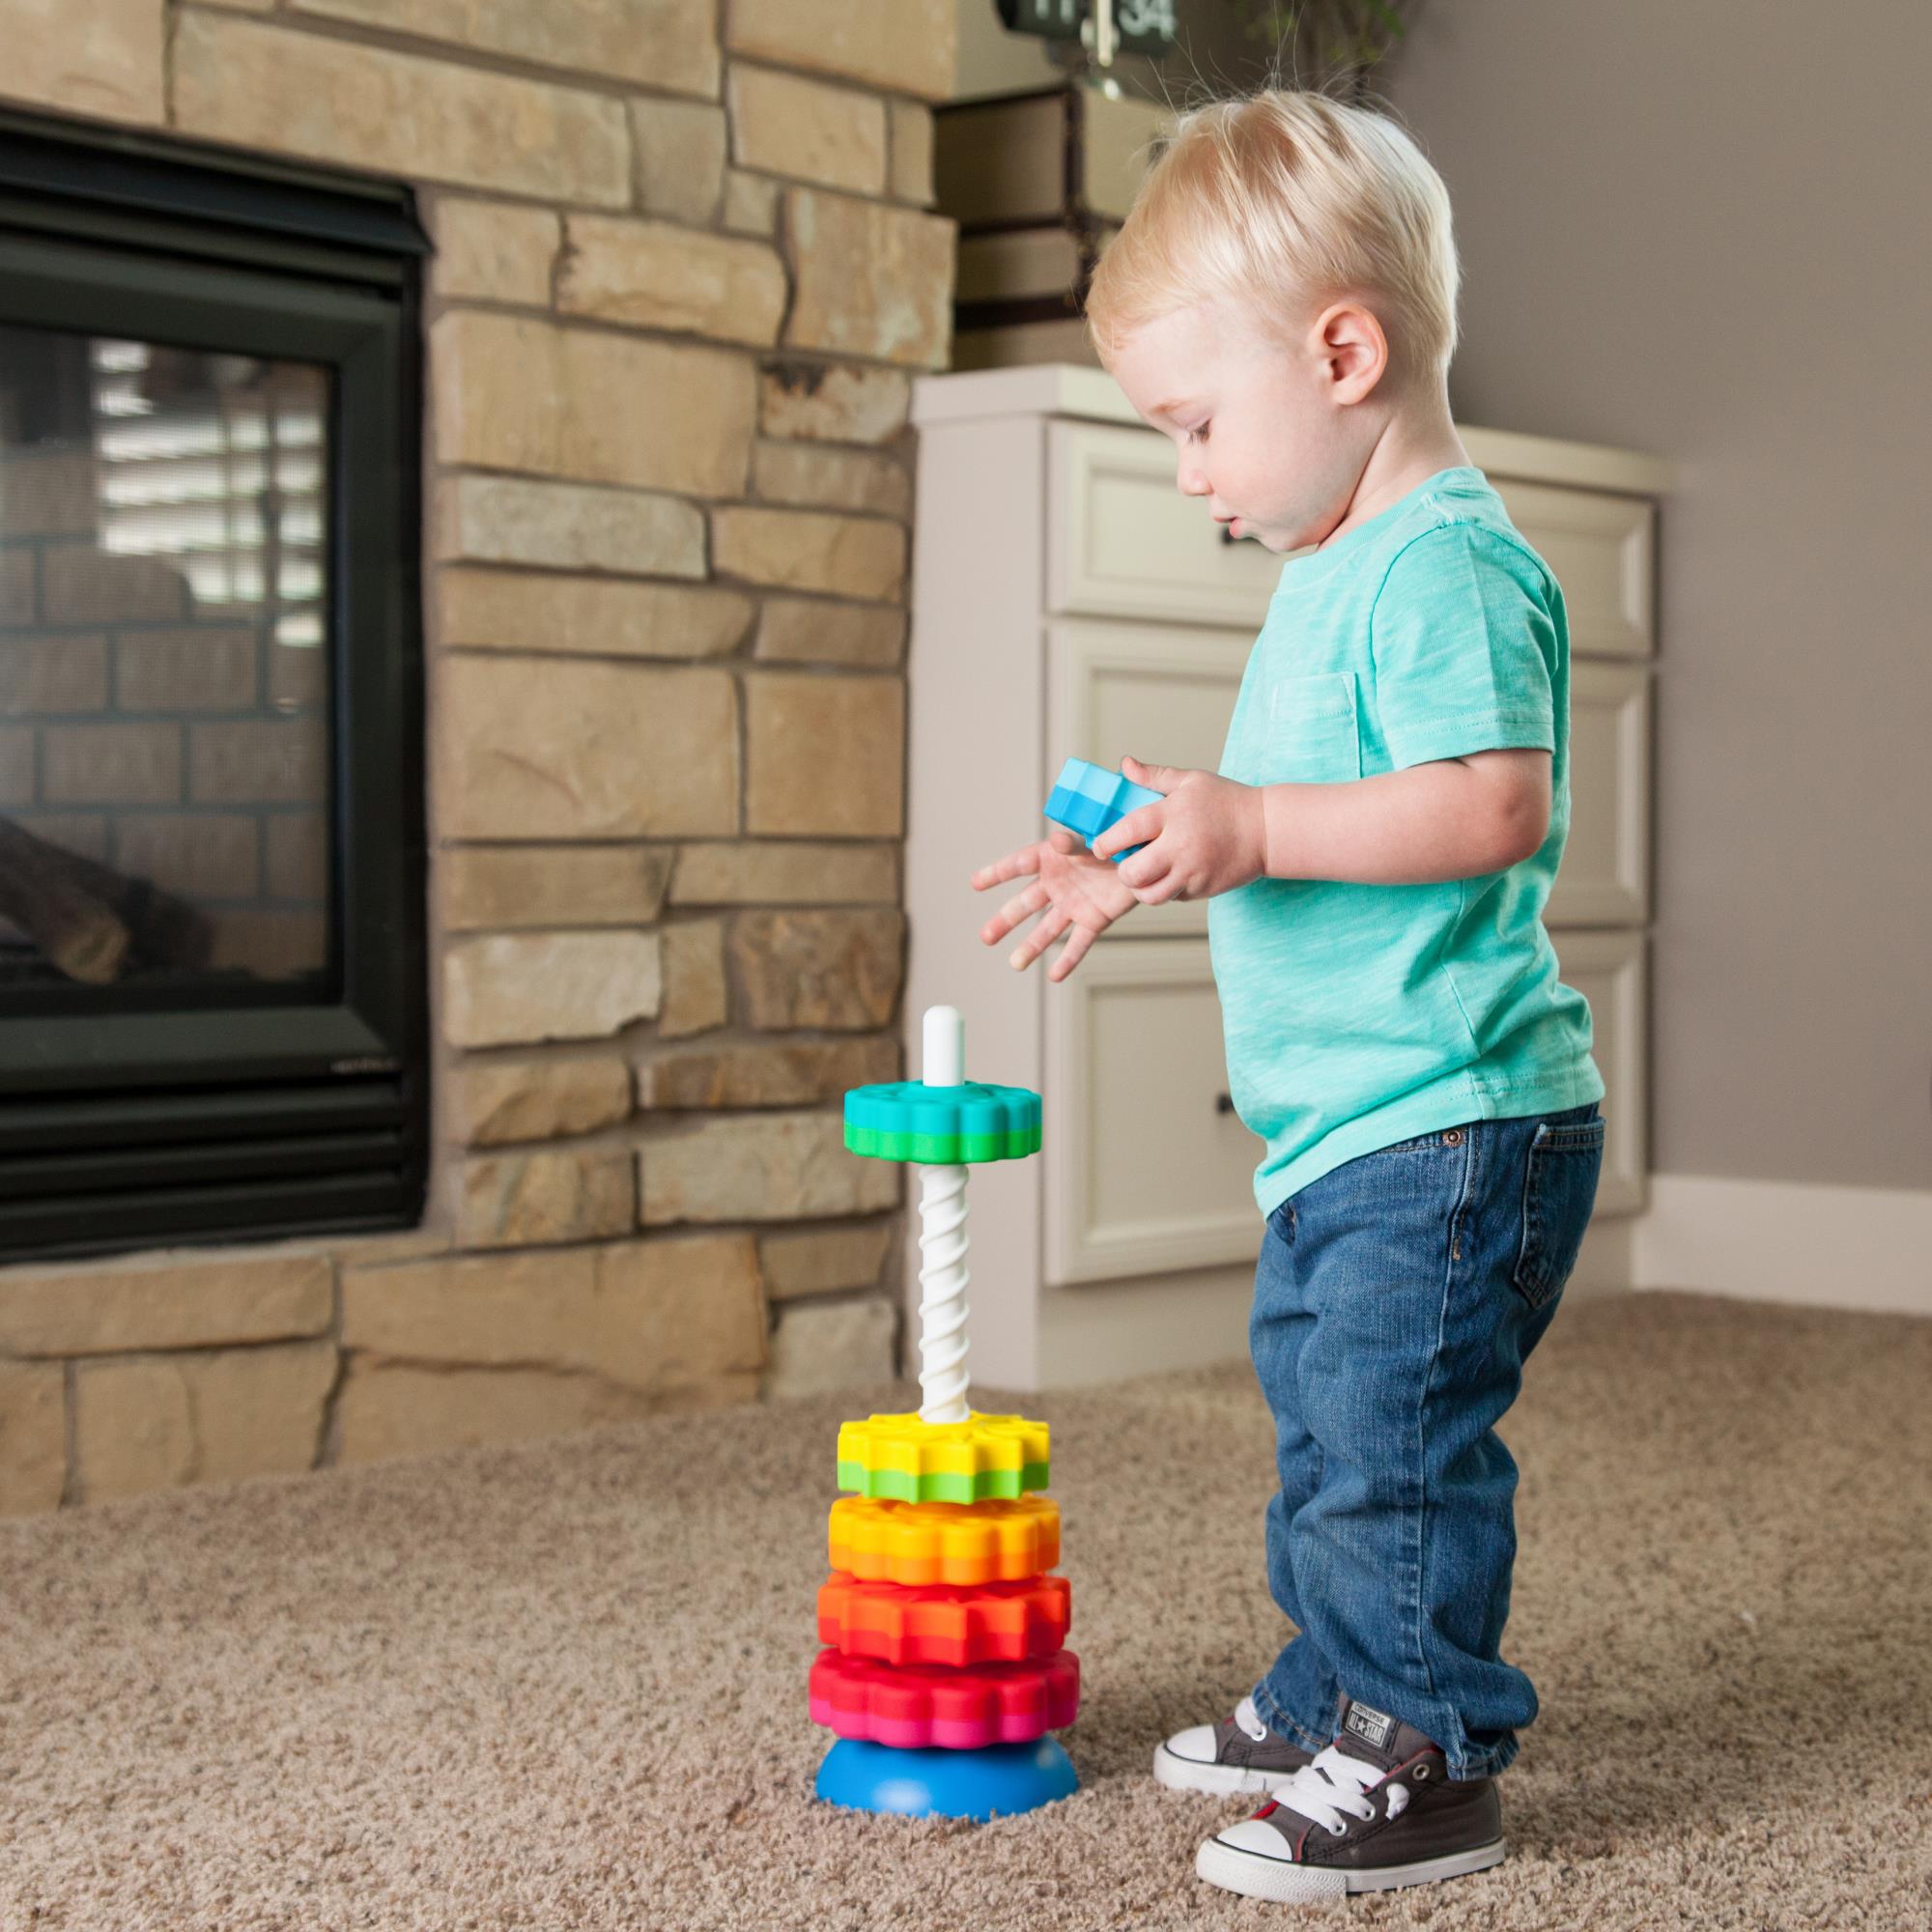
(1068, 601)
(1148, 1169)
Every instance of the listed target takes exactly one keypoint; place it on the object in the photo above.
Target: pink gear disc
(913, 1705)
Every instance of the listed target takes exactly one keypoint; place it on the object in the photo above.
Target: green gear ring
(942, 1126)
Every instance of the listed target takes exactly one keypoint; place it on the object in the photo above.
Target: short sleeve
(1465, 643)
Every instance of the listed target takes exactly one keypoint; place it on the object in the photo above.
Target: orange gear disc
(987, 1622)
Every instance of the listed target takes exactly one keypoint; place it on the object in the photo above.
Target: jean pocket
(1559, 1189)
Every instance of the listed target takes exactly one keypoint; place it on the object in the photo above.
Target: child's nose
(1189, 480)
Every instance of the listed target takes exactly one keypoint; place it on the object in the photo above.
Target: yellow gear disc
(881, 1541)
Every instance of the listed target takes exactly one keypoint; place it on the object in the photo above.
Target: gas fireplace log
(167, 931)
(70, 906)
(40, 895)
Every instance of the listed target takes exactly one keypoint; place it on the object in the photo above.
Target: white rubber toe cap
(1251, 1834)
(1196, 1743)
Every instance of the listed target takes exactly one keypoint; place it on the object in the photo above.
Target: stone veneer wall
(685, 269)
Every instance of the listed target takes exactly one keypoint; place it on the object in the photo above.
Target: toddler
(1378, 846)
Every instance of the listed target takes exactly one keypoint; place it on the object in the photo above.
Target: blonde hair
(1279, 203)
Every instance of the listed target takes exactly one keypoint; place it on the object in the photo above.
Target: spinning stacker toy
(945, 1663)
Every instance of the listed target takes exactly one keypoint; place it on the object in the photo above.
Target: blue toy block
(921, 1782)
(1087, 799)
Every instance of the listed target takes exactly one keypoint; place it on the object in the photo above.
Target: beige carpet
(563, 1685)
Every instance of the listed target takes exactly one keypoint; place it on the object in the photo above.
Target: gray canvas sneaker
(1239, 1753)
(1375, 1810)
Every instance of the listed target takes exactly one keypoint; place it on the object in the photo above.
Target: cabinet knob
(1224, 1103)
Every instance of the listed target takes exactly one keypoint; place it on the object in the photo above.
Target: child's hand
(1205, 836)
(1074, 893)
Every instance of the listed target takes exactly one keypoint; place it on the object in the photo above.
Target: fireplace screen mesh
(165, 748)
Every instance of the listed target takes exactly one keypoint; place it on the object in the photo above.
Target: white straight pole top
(945, 1055)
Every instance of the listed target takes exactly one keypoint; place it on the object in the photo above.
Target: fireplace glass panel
(166, 755)
(213, 1012)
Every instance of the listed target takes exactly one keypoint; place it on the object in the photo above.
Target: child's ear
(1355, 351)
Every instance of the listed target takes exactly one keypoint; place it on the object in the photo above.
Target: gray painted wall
(1704, 231)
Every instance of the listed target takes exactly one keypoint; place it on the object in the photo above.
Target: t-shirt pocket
(1306, 732)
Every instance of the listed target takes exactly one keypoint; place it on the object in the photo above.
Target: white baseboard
(1780, 1241)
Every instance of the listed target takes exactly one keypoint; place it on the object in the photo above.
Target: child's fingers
(1156, 777)
(1022, 905)
(1137, 828)
(1014, 865)
(1148, 866)
(1051, 926)
(1167, 887)
(1071, 953)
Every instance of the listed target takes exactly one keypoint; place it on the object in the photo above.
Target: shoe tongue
(1376, 1738)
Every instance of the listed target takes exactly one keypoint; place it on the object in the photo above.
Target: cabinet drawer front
(1143, 1172)
(1607, 968)
(1599, 545)
(1604, 878)
(1125, 543)
(1162, 694)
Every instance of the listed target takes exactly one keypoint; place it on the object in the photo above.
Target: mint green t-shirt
(1358, 1015)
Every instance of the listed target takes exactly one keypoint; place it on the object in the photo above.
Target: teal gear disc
(906, 1119)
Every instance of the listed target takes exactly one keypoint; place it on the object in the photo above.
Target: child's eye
(1201, 430)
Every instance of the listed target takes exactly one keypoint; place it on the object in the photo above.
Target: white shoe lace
(1333, 1784)
(1250, 1720)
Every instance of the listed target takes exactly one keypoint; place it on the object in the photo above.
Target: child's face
(1267, 435)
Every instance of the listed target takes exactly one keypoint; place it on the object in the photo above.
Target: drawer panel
(1599, 546)
(1604, 878)
(1144, 1173)
(1607, 968)
(1164, 695)
(1123, 542)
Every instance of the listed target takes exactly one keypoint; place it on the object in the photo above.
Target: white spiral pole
(942, 1241)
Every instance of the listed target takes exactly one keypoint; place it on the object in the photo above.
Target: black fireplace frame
(200, 1113)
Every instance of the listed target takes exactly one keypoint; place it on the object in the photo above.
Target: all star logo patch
(1374, 1728)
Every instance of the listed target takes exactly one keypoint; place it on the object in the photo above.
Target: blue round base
(999, 1781)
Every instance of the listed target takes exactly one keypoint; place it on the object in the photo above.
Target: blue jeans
(1395, 1301)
